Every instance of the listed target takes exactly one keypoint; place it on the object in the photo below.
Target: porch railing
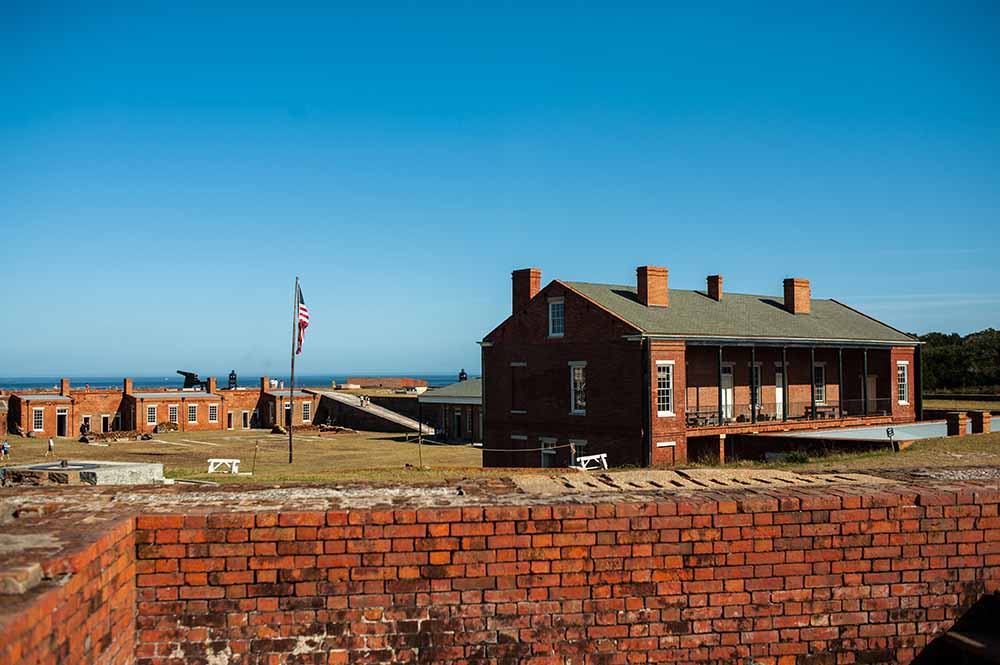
(738, 414)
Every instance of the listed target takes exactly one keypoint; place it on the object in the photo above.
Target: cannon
(191, 380)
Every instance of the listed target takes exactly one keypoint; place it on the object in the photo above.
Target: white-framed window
(819, 381)
(548, 451)
(213, 413)
(557, 317)
(306, 411)
(903, 381)
(172, 413)
(666, 444)
(664, 388)
(578, 387)
(246, 420)
(150, 414)
(192, 413)
(38, 420)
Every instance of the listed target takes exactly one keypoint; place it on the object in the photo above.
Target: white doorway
(727, 392)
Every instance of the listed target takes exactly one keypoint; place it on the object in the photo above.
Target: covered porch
(770, 385)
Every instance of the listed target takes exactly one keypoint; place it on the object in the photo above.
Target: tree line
(952, 362)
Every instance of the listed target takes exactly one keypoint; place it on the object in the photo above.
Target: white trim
(195, 407)
(151, 408)
(304, 418)
(177, 417)
(210, 407)
(821, 365)
(670, 412)
(666, 444)
(556, 301)
(906, 364)
(35, 410)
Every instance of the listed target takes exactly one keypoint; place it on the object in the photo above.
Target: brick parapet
(867, 573)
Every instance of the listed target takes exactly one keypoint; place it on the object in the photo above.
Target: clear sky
(166, 171)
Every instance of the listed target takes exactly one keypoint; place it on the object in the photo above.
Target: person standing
(5, 450)
(52, 448)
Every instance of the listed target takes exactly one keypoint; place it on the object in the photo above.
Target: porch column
(720, 384)
(784, 383)
(864, 381)
(812, 381)
(840, 380)
(753, 386)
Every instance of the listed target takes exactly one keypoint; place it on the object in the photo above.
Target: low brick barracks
(650, 375)
(103, 410)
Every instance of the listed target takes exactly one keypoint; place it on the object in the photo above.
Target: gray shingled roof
(737, 315)
(467, 388)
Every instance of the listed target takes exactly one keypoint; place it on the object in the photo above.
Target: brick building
(104, 410)
(458, 410)
(646, 373)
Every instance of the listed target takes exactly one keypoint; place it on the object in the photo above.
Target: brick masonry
(850, 574)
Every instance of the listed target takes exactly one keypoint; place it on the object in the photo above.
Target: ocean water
(15, 383)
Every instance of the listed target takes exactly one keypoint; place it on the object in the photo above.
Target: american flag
(303, 317)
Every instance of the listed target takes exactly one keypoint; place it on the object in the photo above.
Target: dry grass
(962, 405)
(379, 457)
(362, 456)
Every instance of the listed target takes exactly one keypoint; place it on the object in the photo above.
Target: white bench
(215, 464)
(592, 462)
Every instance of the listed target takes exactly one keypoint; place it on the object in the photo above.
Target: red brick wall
(613, 423)
(86, 616)
(669, 429)
(798, 577)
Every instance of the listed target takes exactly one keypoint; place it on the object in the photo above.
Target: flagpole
(291, 392)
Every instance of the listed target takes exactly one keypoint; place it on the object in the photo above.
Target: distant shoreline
(13, 384)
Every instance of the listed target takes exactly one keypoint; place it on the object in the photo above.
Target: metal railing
(768, 412)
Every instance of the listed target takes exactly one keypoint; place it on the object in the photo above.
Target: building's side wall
(453, 416)
(96, 404)
(669, 440)
(810, 577)
(89, 616)
(903, 413)
(533, 400)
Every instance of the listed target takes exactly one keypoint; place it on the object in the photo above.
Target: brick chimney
(797, 295)
(265, 384)
(64, 386)
(127, 386)
(525, 284)
(651, 283)
(212, 385)
(715, 287)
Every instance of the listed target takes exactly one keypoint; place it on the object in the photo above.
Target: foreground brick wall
(84, 612)
(845, 575)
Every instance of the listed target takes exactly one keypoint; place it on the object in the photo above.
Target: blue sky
(166, 171)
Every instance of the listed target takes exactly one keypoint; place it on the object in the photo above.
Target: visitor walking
(5, 450)
(52, 448)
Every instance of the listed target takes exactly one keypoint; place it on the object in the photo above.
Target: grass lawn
(361, 456)
(973, 450)
(963, 405)
(379, 457)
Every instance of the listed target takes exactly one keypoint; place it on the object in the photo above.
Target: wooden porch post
(864, 382)
(784, 383)
(720, 385)
(812, 381)
(840, 380)
(753, 387)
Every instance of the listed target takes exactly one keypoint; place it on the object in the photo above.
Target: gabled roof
(742, 316)
(46, 397)
(193, 394)
(464, 392)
